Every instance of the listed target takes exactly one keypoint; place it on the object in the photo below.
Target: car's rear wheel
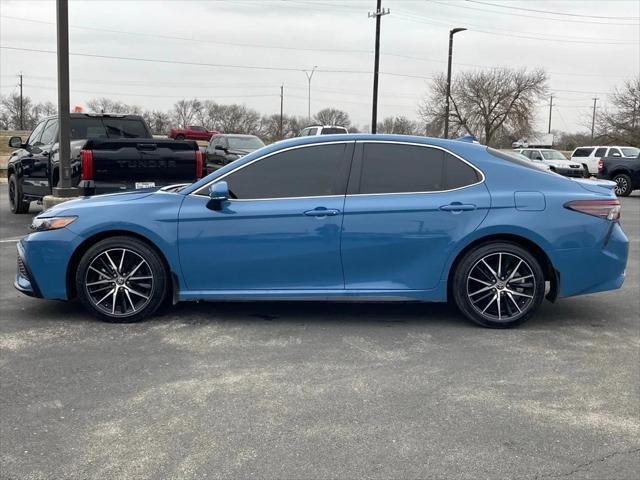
(498, 285)
(121, 280)
(623, 185)
(17, 203)
(179, 137)
(585, 171)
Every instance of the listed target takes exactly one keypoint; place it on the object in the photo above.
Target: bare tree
(399, 125)
(486, 103)
(10, 107)
(185, 111)
(332, 116)
(622, 124)
(159, 122)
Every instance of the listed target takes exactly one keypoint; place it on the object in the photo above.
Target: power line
(550, 12)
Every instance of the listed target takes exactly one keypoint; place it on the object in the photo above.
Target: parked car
(589, 156)
(224, 148)
(192, 132)
(331, 218)
(556, 161)
(109, 153)
(624, 171)
(322, 130)
(519, 156)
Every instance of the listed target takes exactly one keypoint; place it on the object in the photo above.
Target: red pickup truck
(192, 132)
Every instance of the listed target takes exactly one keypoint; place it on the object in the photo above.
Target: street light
(309, 77)
(446, 113)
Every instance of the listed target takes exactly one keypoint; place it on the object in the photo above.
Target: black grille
(22, 269)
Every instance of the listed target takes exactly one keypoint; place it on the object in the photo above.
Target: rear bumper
(591, 270)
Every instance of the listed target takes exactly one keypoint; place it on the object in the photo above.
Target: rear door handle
(321, 212)
(458, 207)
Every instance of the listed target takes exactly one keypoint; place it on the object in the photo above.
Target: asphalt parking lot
(310, 390)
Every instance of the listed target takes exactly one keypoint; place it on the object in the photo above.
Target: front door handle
(321, 212)
(458, 207)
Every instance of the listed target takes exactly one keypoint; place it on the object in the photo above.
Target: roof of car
(326, 126)
(97, 115)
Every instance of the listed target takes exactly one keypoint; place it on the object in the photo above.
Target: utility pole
(21, 105)
(376, 65)
(635, 112)
(593, 119)
(309, 77)
(452, 32)
(64, 188)
(550, 110)
(281, 110)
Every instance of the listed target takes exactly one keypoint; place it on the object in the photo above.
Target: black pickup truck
(625, 171)
(109, 153)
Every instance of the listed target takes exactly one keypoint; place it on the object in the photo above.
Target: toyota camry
(338, 217)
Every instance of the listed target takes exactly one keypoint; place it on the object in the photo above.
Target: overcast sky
(587, 48)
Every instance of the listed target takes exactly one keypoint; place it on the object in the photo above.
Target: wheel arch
(550, 273)
(92, 240)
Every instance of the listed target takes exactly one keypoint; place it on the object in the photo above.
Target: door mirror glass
(616, 154)
(15, 142)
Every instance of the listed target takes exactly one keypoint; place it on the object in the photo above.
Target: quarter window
(302, 172)
(394, 168)
(582, 152)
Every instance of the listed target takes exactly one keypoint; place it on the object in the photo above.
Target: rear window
(103, 128)
(333, 130)
(582, 152)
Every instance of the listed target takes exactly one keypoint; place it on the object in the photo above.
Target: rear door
(406, 208)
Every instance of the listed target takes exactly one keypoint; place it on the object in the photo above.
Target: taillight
(600, 165)
(198, 164)
(86, 156)
(607, 209)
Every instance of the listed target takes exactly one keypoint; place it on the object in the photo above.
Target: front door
(280, 231)
(407, 207)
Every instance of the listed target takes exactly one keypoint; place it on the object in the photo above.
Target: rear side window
(582, 152)
(302, 172)
(601, 152)
(394, 168)
(333, 130)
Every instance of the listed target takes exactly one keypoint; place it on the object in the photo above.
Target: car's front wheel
(623, 185)
(121, 279)
(17, 203)
(498, 285)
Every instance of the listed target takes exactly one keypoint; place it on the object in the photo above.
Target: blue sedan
(339, 217)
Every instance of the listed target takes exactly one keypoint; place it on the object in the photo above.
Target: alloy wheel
(119, 282)
(501, 286)
(621, 185)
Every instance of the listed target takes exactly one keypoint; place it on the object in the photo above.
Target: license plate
(145, 185)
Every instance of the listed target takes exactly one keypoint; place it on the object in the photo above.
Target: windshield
(245, 143)
(630, 151)
(553, 155)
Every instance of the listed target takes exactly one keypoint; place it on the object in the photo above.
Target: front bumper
(43, 259)
(570, 172)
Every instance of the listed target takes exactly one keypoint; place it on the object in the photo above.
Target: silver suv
(556, 161)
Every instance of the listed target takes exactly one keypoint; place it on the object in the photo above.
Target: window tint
(34, 138)
(50, 132)
(526, 153)
(630, 151)
(582, 152)
(535, 155)
(393, 168)
(301, 172)
(312, 131)
(601, 152)
(333, 130)
(92, 127)
(614, 151)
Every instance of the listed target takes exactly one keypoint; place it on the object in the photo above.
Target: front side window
(50, 133)
(314, 171)
(395, 168)
(245, 143)
(553, 155)
(535, 155)
(614, 152)
(34, 138)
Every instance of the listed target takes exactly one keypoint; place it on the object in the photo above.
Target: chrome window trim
(295, 147)
(482, 175)
(206, 186)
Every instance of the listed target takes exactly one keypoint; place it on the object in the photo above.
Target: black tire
(17, 203)
(517, 299)
(139, 291)
(179, 137)
(585, 172)
(623, 185)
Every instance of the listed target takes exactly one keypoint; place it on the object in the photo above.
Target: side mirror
(220, 147)
(218, 193)
(615, 154)
(15, 142)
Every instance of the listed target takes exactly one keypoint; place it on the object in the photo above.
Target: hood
(96, 201)
(241, 151)
(595, 185)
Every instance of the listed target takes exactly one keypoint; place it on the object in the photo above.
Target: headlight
(50, 223)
